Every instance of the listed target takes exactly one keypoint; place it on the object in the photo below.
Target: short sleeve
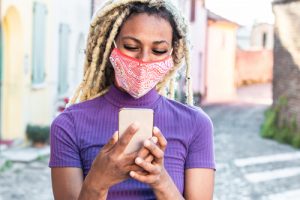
(201, 148)
(63, 143)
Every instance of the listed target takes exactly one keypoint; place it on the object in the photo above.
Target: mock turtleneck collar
(122, 99)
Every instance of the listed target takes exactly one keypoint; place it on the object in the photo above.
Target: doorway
(12, 75)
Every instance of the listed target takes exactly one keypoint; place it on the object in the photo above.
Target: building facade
(254, 61)
(221, 55)
(41, 59)
(286, 82)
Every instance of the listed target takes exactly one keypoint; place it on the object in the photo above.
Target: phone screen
(144, 117)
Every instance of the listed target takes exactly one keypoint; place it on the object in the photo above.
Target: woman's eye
(131, 48)
(159, 51)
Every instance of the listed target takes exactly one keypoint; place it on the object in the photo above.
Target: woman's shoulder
(86, 105)
(194, 113)
(79, 109)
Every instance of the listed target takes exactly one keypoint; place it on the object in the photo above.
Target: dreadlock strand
(189, 88)
(99, 76)
(172, 88)
(79, 88)
(111, 38)
(95, 59)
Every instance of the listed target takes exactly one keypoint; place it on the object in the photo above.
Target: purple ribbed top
(79, 133)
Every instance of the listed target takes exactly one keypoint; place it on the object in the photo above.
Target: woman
(134, 49)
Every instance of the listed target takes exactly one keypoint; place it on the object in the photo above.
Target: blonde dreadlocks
(103, 30)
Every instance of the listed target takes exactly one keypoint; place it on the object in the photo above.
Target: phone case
(144, 117)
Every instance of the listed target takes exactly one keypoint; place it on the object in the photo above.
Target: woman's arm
(199, 184)
(66, 182)
(110, 167)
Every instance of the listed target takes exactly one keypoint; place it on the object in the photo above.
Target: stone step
(243, 162)
(290, 195)
(25, 154)
(272, 175)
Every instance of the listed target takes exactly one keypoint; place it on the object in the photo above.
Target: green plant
(7, 165)
(38, 134)
(268, 128)
(296, 140)
(285, 131)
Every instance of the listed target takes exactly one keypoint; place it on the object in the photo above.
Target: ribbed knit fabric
(79, 133)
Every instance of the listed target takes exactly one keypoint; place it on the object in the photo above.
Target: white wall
(197, 31)
(258, 31)
(76, 14)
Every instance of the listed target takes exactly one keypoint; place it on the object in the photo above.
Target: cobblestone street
(248, 167)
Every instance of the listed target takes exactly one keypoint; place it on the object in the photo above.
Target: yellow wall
(21, 104)
(13, 76)
(221, 55)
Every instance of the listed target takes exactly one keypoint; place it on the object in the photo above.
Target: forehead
(147, 27)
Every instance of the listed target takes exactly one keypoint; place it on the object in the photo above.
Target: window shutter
(39, 43)
(1, 46)
(64, 32)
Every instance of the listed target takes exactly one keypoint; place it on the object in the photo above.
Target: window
(193, 10)
(63, 62)
(264, 40)
(39, 43)
(79, 56)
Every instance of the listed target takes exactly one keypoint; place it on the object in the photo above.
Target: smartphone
(144, 117)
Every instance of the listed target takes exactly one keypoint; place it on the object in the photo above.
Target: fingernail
(154, 139)
(116, 136)
(131, 173)
(147, 143)
(155, 129)
(138, 160)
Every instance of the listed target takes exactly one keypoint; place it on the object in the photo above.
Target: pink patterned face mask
(137, 77)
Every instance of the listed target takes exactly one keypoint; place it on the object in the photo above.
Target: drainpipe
(92, 7)
(0, 75)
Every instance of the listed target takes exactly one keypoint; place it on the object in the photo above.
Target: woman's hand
(112, 165)
(151, 159)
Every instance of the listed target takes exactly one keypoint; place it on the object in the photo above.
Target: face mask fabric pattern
(136, 77)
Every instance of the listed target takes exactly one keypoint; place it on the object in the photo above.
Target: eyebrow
(138, 41)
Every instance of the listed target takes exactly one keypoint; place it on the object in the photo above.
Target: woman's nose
(145, 56)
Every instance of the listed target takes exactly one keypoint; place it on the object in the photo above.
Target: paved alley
(249, 167)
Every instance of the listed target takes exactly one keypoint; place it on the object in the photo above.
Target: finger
(161, 139)
(152, 169)
(154, 150)
(144, 152)
(142, 178)
(126, 137)
(149, 158)
(143, 173)
(135, 168)
(128, 159)
(113, 140)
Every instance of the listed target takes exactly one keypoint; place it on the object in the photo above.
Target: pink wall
(254, 66)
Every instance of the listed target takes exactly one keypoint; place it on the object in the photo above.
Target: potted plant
(38, 135)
